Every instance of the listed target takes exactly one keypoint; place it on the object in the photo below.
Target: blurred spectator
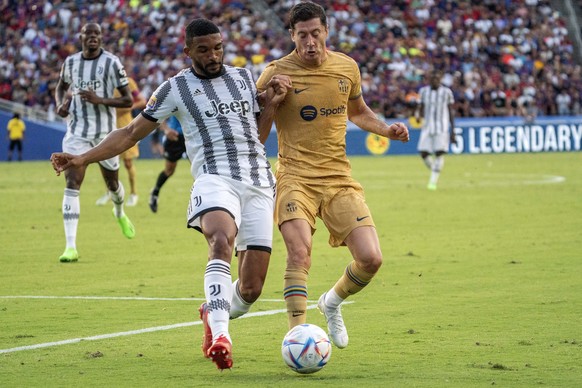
(564, 101)
(529, 112)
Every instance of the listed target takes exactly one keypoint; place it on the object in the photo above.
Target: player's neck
(92, 54)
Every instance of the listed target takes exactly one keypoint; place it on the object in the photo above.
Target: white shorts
(76, 145)
(433, 143)
(251, 208)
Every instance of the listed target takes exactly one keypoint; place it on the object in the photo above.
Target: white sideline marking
(134, 332)
(468, 179)
(501, 179)
(111, 298)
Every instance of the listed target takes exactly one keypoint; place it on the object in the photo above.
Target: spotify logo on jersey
(308, 113)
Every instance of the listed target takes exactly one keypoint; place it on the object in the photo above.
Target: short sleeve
(356, 91)
(161, 104)
(264, 78)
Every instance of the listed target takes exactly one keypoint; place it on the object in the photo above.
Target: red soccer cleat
(207, 336)
(221, 353)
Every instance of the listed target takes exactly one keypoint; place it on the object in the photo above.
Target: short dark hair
(91, 24)
(200, 27)
(305, 11)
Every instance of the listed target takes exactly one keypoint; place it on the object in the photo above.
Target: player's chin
(213, 69)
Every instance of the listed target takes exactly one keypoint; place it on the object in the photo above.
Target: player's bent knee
(251, 292)
(371, 264)
(298, 261)
(221, 245)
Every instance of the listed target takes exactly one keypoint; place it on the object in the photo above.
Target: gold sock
(352, 281)
(295, 294)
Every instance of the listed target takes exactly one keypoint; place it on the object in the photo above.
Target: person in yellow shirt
(124, 117)
(313, 171)
(15, 128)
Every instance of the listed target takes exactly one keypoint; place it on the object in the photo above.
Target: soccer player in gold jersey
(313, 171)
(124, 117)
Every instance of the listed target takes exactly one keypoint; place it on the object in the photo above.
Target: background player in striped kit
(436, 110)
(84, 92)
(232, 198)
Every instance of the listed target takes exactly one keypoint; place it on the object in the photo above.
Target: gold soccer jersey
(311, 122)
(124, 116)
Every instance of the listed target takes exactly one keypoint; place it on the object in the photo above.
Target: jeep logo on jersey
(222, 108)
(308, 113)
(93, 84)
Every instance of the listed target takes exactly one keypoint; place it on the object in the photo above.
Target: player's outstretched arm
(115, 143)
(360, 114)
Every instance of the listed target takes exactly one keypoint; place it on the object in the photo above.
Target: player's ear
(187, 50)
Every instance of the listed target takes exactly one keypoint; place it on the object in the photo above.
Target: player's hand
(62, 161)
(277, 88)
(63, 109)
(89, 95)
(453, 138)
(398, 131)
(171, 134)
(280, 81)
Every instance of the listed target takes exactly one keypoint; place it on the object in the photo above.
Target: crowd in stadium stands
(499, 57)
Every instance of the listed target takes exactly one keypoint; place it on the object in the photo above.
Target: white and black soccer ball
(306, 348)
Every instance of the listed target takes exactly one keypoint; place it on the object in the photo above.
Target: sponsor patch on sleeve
(152, 103)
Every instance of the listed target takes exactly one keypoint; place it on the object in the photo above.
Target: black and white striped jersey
(218, 118)
(436, 108)
(102, 74)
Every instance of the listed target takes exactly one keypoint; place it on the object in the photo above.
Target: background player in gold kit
(313, 172)
(124, 117)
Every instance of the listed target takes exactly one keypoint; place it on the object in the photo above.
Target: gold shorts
(132, 153)
(340, 204)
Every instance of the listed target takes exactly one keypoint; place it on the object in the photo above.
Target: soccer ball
(306, 348)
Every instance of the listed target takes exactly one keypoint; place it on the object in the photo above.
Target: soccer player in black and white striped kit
(232, 198)
(436, 108)
(84, 94)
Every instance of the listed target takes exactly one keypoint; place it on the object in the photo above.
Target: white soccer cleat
(335, 323)
(132, 200)
(102, 201)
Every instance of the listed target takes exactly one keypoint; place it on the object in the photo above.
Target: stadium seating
(496, 54)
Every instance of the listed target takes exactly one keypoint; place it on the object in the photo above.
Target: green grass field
(481, 283)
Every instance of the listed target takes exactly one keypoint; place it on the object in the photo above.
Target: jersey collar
(222, 72)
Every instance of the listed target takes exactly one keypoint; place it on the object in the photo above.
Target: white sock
(218, 291)
(71, 211)
(428, 162)
(117, 198)
(437, 166)
(239, 306)
(332, 299)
